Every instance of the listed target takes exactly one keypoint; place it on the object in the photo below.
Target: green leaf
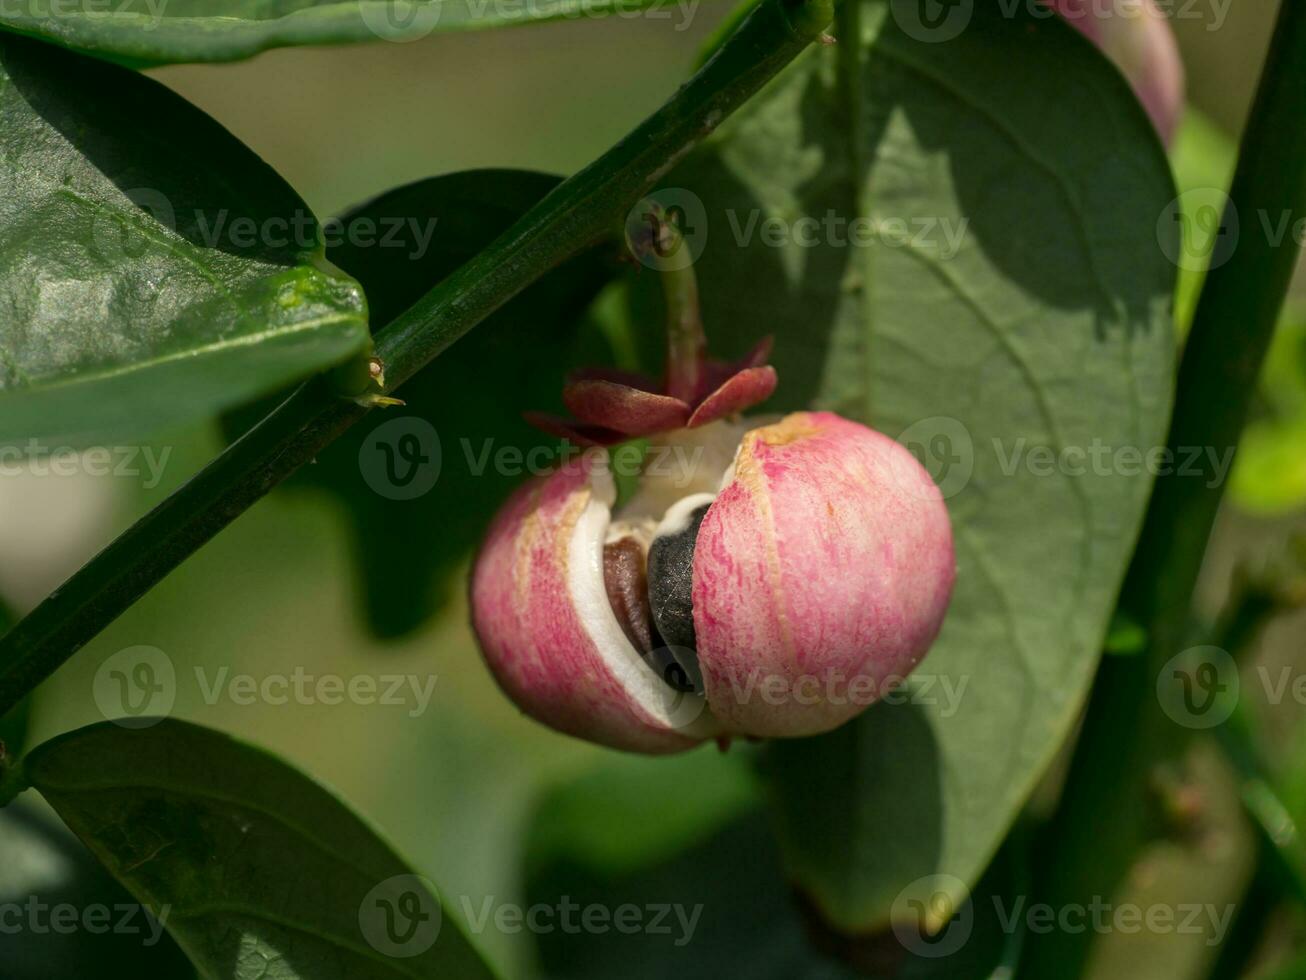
(634, 811)
(718, 909)
(152, 269)
(414, 527)
(1040, 326)
(152, 32)
(46, 873)
(683, 839)
(255, 869)
(680, 839)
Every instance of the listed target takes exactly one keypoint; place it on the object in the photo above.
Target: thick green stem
(577, 213)
(1102, 820)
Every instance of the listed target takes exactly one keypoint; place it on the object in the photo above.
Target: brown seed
(627, 586)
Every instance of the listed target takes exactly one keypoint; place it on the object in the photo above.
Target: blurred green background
(455, 787)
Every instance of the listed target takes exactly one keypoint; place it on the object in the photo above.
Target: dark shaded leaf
(255, 870)
(676, 852)
(65, 916)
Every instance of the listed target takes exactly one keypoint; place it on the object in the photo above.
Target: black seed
(671, 584)
(678, 668)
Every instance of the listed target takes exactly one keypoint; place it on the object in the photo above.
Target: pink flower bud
(767, 581)
(1136, 36)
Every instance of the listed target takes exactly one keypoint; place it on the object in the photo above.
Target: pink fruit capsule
(799, 569)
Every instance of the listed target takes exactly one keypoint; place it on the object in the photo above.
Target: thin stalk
(686, 340)
(1102, 820)
(13, 780)
(581, 210)
(1295, 969)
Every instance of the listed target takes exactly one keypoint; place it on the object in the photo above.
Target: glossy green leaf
(47, 879)
(254, 869)
(167, 31)
(958, 242)
(417, 516)
(152, 268)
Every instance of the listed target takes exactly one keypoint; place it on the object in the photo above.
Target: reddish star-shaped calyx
(611, 405)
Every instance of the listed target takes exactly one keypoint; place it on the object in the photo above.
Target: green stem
(580, 211)
(686, 341)
(1242, 941)
(1101, 822)
(13, 780)
(1281, 851)
(1295, 969)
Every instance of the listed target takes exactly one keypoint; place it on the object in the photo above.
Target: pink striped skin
(1136, 36)
(821, 575)
(821, 571)
(530, 630)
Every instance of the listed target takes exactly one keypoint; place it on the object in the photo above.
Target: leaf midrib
(216, 347)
